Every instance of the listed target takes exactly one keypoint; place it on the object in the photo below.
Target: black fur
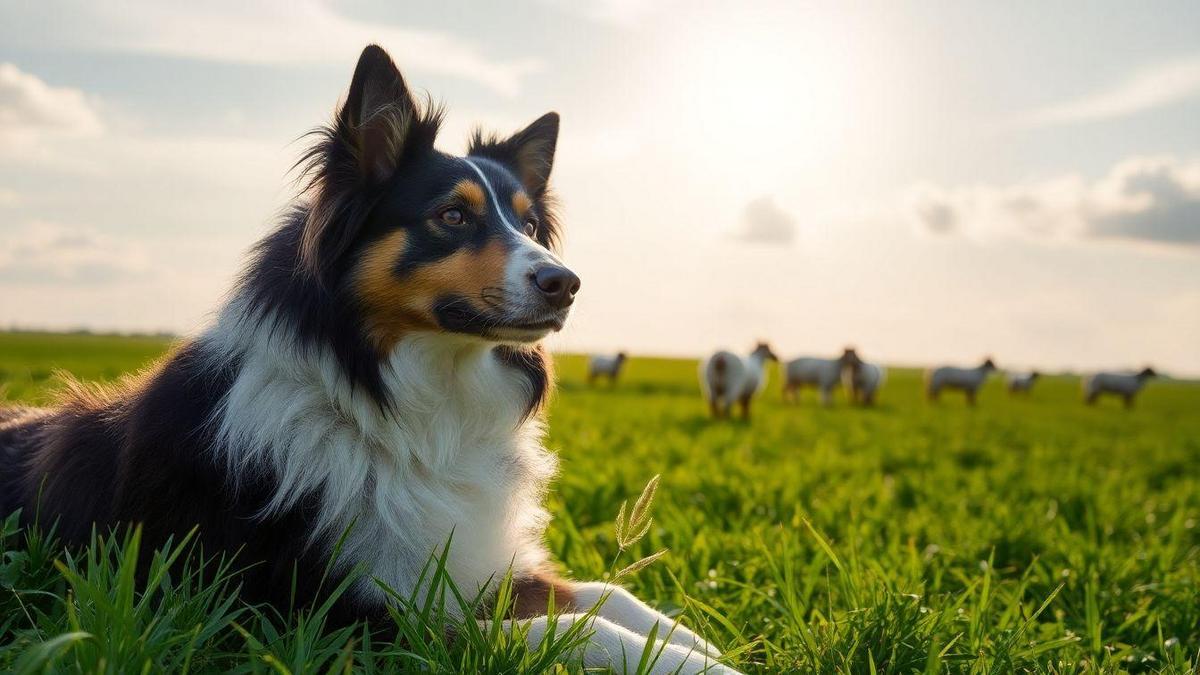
(534, 364)
(280, 290)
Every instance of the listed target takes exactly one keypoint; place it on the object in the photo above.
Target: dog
(375, 377)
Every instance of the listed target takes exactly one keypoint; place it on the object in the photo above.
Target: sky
(931, 182)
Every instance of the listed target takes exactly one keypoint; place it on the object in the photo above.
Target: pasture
(1025, 535)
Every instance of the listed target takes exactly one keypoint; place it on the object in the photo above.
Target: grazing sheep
(727, 378)
(1125, 385)
(967, 380)
(1022, 383)
(823, 374)
(603, 365)
(865, 382)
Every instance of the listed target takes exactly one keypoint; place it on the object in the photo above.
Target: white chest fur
(453, 455)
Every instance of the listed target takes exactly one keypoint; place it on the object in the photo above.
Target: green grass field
(1031, 535)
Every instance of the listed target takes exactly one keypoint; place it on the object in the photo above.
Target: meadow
(1025, 535)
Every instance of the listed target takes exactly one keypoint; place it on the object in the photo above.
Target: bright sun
(753, 91)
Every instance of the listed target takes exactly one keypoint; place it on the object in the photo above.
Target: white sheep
(823, 374)
(727, 378)
(967, 380)
(1125, 385)
(607, 366)
(1022, 383)
(865, 382)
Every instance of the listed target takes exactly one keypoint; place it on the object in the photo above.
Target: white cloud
(276, 32)
(51, 254)
(1144, 199)
(765, 222)
(63, 129)
(30, 109)
(1151, 88)
(1151, 199)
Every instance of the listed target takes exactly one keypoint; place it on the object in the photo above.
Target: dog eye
(530, 227)
(452, 217)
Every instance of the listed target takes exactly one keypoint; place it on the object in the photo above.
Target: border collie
(376, 371)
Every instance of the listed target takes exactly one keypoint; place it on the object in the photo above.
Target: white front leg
(620, 649)
(624, 609)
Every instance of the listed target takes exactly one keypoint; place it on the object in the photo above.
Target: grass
(28, 360)
(1026, 535)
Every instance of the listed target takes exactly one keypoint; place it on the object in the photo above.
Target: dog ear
(530, 152)
(378, 115)
(375, 129)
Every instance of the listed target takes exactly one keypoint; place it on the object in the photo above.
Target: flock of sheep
(728, 379)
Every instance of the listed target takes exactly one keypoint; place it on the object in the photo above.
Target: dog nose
(557, 284)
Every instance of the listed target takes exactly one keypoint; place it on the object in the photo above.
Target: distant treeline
(24, 330)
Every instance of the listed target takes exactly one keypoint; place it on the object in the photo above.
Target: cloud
(1158, 200)
(763, 221)
(277, 32)
(935, 210)
(1141, 199)
(52, 254)
(31, 109)
(63, 129)
(1151, 88)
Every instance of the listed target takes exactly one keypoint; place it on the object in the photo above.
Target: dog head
(419, 240)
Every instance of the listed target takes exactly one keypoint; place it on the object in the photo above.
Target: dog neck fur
(454, 453)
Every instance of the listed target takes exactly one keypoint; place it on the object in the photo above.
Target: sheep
(1125, 385)
(968, 380)
(1022, 383)
(603, 365)
(865, 382)
(824, 374)
(727, 378)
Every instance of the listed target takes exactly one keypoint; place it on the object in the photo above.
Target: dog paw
(707, 665)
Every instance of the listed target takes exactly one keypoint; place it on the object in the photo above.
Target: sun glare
(781, 96)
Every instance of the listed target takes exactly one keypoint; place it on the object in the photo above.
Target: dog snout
(557, 284)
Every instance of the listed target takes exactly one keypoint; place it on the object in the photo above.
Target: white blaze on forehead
(500, 212)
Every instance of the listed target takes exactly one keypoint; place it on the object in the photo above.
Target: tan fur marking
(386, 317)
(465, 272)
(531, 595)
(521, 204)
(472, 193)
(397, 305)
